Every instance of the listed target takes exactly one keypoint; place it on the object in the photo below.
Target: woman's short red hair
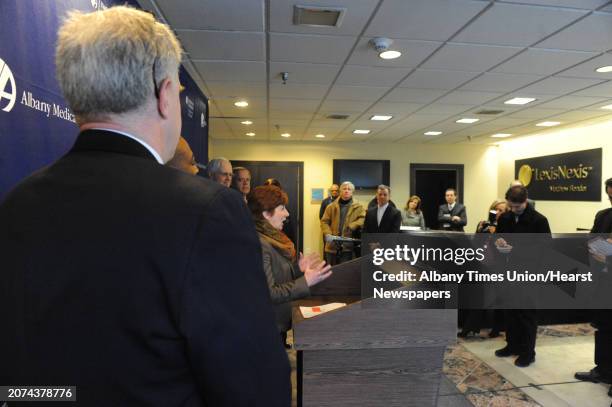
(265, 199)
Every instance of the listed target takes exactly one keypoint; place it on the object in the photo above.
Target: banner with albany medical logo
(36, 124)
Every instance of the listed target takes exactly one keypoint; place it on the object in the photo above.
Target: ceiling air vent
(318, 16)
(337, 116)
(489, 111)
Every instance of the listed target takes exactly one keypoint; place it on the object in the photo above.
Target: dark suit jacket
(603, 221)
(530, 221)
(324, 204)
(390, 222)
(137, 283)
(458, 210)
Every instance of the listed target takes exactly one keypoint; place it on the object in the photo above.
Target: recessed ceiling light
(548, 124)
(467, 120)
(286, 135)
(381, 117)
(241, 103)
(519, 101)
(361, 131)
(390, 54)
(606, 107)
(320, 135)
(246, 122)
(501, 135)
(604, 69)
(433, 133)
(251, 134)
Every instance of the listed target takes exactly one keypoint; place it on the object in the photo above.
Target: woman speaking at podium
(288, 276)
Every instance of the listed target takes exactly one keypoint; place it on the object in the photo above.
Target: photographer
(497, 208)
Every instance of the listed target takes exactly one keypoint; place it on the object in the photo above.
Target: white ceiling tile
(598, 106)
(535, 113)
(422, 19)
(469, 57)
(357, 92)
(498, 82)
(304, 73)
(294, 104)
(357, 14)
(302, 91)
(246, 71)
(571, 102)
(418, 121)
(422, 96)
(587, 69)
(236, 89)
(579, 115)
(437, 79)
(413, 53)
(443, 110)
(292, 114)
(518, 25)
(243, 15)
(603, 90)
(358, 75)
(593, 33)
(396, 109)
(248, 46)
(543, 61)
(334, 124)
(499, 102)
(256, 108)
(558, 85)
(322, 49)
(468, 97)
(344, 106)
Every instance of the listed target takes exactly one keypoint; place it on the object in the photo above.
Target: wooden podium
(362, 356)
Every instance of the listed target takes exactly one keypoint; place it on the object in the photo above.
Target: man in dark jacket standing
(452, 215)
(119, 274)
(522, 324)
(602, 372)
(383, 218)
(334, 191)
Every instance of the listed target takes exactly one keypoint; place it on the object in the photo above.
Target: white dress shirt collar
(144, 144)
(380, 212)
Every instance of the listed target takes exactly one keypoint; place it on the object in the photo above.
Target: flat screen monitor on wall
(365, 174)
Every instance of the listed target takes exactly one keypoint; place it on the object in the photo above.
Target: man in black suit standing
(602, 372)
(334, 191)
(522, 324)
(383, 218)
(452, 215)
(119, 274)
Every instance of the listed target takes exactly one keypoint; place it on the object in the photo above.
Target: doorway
(429, 182)
(290, 176)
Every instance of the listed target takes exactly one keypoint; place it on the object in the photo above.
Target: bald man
(183, 159)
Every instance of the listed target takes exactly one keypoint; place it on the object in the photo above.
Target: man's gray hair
(383, 186)
(214, 165)
(349, 183)
(106, 60)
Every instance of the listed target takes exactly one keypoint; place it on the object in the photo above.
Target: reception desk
(364, 356)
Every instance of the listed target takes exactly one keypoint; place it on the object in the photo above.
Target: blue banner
(36, 124)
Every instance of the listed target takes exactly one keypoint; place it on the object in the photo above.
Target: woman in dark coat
(289, 278)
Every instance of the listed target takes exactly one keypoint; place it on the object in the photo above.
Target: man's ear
(163, 102)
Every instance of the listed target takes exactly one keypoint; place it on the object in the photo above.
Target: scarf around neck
(276, 238)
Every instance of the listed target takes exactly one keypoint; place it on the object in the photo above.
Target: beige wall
(480, 176)
(562, 216)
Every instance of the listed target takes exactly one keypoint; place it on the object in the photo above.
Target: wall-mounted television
(365, 174)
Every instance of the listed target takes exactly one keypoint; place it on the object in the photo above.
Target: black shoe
(493, 334)
(524, 360)
(504, 352)
(594, 376)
